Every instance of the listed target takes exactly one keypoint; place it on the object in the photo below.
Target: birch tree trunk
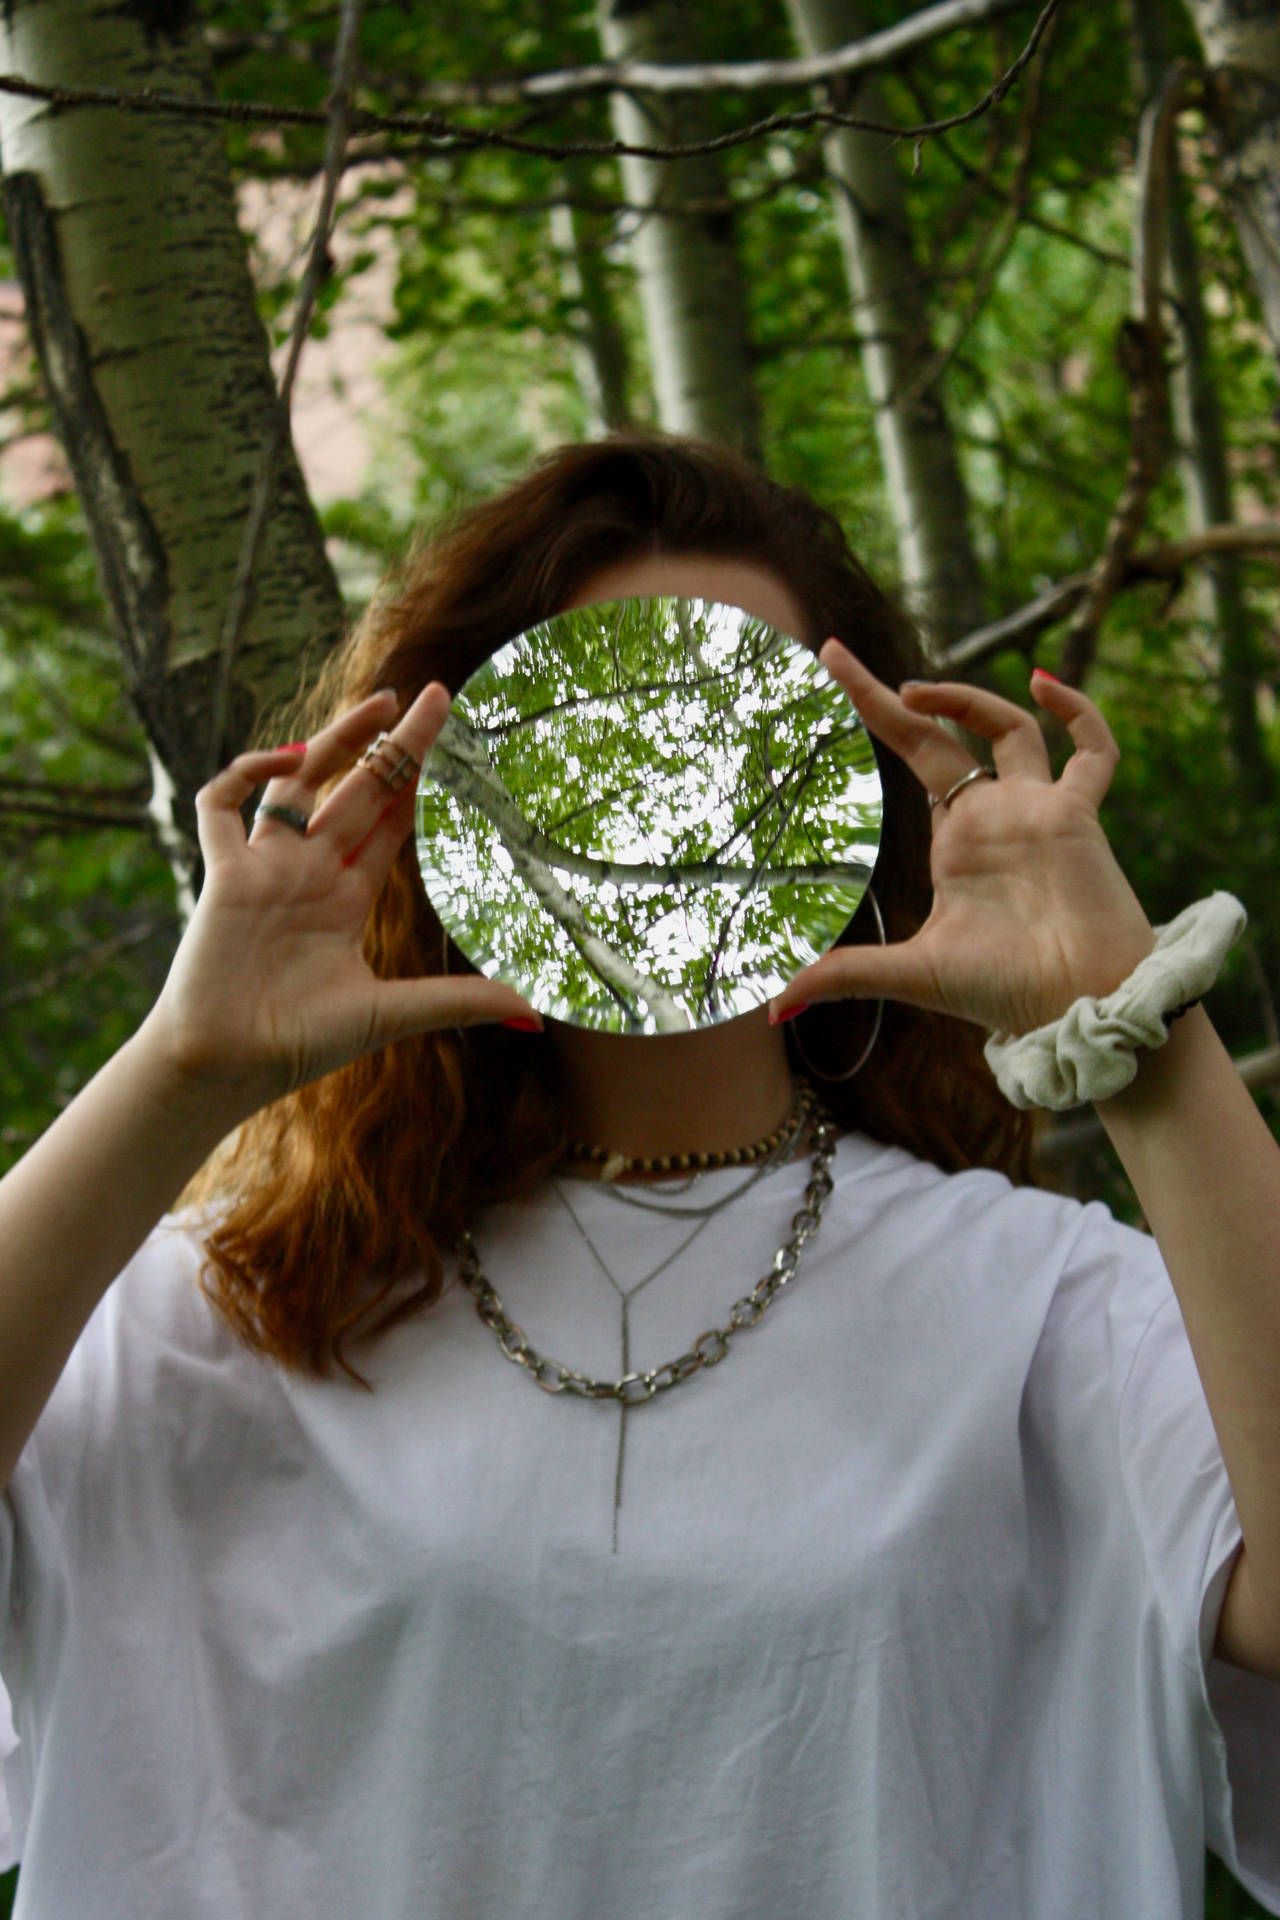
(1241, 41)
(941, 579)
(687, 268)
(597, 344)
(142, 313)
(1202, 459)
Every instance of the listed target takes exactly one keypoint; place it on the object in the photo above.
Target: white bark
(941, 581)
(687, 269)
(1241, 41)
(461, 765)
(142, 310)
(879, 49)
(1200, 450)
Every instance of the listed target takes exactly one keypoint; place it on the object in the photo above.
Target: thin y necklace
(634, 1389)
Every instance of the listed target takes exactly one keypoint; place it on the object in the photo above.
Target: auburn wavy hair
(331, 1210)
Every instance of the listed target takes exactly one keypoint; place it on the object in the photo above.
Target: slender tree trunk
(1202, 460)
(597, 343)
(941, 579)
(1241, 41)
(687, 268)
(142, 314)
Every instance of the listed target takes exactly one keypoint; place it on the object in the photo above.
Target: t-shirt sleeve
(31, 1544)
(108, 1381)
(1182, 1504)
(8, 1738)
(26, 1533)
(10, 1813)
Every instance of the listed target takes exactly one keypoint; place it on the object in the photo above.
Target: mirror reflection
(647, 815)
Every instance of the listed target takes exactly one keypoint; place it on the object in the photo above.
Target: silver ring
(945, 799)
(290, 815)
(391, 763)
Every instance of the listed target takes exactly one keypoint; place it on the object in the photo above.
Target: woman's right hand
(269, 988)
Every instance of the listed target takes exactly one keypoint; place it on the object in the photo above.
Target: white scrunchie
(1089, 1054)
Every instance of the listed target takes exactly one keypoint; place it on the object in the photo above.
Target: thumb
(405, 1007)
(896, 972)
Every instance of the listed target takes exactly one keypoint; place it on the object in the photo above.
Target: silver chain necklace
(633, 1389)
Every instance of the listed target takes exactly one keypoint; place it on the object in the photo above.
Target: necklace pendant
(616, 1164)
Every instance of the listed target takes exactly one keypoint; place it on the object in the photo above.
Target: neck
(651, 1095)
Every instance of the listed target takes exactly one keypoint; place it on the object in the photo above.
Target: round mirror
(646, 816)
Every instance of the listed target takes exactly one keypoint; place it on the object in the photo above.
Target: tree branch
(75, 965)
(135, 793)
(1067, 1138)
(451, 136)
(859, 57)
(319, 266)
(1006, 233)
(74, 819)
(1164, 562)
(1142, 356)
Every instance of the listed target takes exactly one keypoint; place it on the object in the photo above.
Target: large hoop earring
(862, 1058)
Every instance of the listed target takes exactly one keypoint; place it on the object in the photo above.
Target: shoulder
(157, 1295)
(865, 1169)
(144, 1361)
(153, 1336)
(979, 1218)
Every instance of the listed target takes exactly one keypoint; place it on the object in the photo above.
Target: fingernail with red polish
(520, 1023)
(295, 746)
(1045, 675)
(779, 1019)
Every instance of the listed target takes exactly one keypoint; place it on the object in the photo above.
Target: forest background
(1029, 358)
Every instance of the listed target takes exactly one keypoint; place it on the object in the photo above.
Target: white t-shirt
(906, 1608)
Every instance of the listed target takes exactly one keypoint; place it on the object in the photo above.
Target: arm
(1030, 912)
(78, 1206)
(269, 989)
(1206, 1171)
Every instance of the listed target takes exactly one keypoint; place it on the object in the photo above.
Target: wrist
(1158, 1069)
(198, 1096)
(1091, 1052)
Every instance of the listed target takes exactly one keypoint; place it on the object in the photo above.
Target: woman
(908, 1606)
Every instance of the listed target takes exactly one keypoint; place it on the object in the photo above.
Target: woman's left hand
(1030, 909)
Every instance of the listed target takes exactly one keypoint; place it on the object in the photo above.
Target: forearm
(1206, 1172)
(77, 1207)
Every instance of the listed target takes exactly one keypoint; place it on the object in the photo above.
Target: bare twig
(1020, 628)
(63, 790)
(1006, 233)
(859, 57)
(317, 269)
(1266, 999)
(1066, 1138)
(1142, 355)
(74, 966)
(70, 807)
(451, 136)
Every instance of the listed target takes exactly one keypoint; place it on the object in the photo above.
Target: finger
(897, 972)
(332, 749)
(375, 853)
(1017, 744)
(936, 759)
(403, 1007)
(218, 823)
(351, 812)
(1091, 768)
